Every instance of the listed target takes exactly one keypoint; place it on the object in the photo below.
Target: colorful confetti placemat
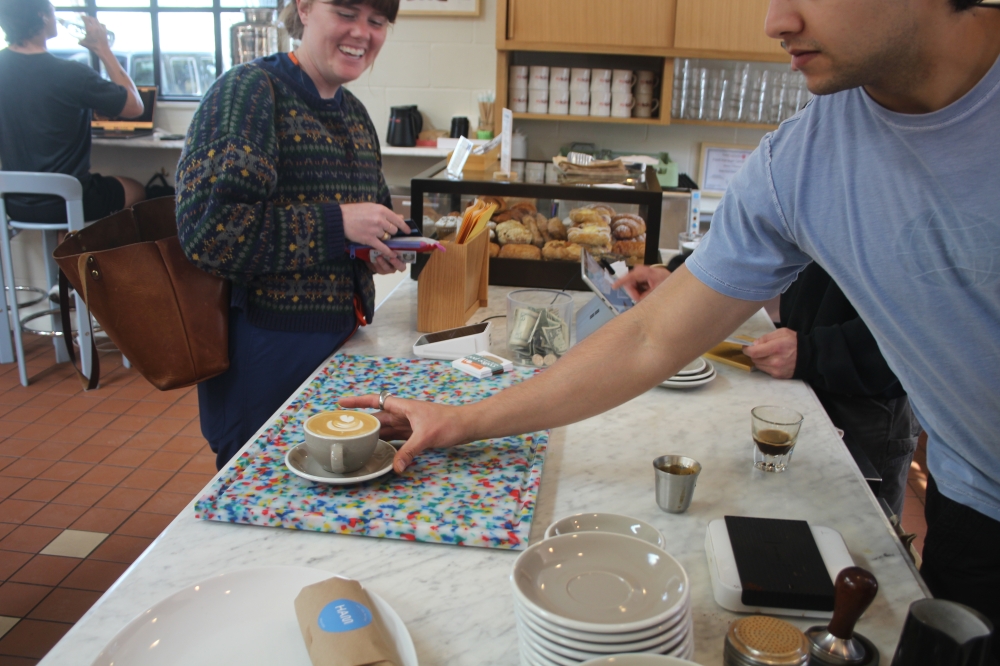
(480, 494)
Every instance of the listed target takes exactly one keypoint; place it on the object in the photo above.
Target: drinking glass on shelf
(701, 98)
(682, 84)
(742, 89)
(760, 112)
(721, 91)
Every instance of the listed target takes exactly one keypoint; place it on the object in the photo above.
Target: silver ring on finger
(382, 397)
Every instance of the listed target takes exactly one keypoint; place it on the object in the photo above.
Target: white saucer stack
(696, 373)
(588, 595)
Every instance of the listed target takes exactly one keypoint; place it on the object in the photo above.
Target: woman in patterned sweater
(281, 169)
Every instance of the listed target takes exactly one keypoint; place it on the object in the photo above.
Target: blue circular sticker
(344, 615)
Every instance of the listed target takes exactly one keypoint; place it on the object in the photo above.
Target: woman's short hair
(23, 19)
(293, 24)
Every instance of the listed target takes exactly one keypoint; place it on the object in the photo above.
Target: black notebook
(779, 564)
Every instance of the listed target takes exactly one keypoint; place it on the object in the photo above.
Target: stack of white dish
(696, 373)
(587, 595)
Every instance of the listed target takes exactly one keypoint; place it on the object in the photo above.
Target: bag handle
(95, 364)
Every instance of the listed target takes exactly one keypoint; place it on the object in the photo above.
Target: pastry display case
(540, 229)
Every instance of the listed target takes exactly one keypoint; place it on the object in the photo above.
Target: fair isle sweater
(265, 167)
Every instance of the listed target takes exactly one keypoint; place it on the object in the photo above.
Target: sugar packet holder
(482, 365)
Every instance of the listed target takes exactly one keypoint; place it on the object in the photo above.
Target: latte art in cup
(342, 423)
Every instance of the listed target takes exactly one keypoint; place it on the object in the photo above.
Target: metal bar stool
(69, 189)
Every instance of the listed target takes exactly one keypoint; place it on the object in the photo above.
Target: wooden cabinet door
(724, 25)
(610, 23)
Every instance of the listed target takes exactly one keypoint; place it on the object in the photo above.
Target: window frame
(90, 8)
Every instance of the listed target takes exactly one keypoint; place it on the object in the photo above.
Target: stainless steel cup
(676, 477)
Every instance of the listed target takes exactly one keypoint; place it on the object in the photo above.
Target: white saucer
(695, 367)
(690, 381)
(299, 462)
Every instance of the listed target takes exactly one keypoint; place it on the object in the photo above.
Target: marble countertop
(457, 602)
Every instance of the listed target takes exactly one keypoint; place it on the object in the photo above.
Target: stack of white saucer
(696, 373)
(588, 595)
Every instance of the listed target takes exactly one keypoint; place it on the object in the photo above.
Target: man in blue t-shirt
(45, 110)
(888, 180)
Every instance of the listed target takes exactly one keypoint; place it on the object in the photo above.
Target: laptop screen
(145, 121)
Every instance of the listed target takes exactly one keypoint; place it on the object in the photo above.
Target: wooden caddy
(453, 284)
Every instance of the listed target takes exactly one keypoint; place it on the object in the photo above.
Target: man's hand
(368, 224)
(641, 280)
(775, 353)
(424, 425)
(97, 36)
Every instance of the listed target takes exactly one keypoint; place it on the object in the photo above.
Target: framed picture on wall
(719, 163)
(439, 8)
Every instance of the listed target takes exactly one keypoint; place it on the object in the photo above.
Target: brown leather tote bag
(168, 317)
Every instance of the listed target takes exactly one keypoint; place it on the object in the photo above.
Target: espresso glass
(774, 431)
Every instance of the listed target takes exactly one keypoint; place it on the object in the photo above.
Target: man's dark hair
(962, 5)
(23, 19)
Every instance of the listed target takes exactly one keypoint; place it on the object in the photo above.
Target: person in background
(45, 110)
(887, 180)
(281, 169)
(823, 341)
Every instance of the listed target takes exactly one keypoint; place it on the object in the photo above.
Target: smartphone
(600, 280)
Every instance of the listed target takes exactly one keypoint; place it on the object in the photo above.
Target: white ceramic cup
(518, 100)
(579, 103)
(559, 78)
(579, 78)
(344, 452)
(600, 80)
(644, 89)
(559, 102)
(645, 106)
(538, 77)
(644, 77)
(600, 104)
(518, 76)
(621, 105)
(623, 76)
(538, 100)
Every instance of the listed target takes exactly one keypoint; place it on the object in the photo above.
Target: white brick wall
(439, 64)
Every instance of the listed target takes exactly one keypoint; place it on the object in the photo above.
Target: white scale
(726, 577)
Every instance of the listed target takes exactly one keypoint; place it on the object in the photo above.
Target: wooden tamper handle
(854, 591)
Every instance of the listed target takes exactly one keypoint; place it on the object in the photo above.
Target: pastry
(627, 226)
(556, 229)
(590, 234)
(586, 216)
(499, 201)
(520, 251)
(536, 234)
(513, 232)
(494, 249)
(629, 248)
(525, 207)
(561, 251)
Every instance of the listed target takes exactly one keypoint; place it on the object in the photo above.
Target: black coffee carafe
(944, 633)
(405, 124)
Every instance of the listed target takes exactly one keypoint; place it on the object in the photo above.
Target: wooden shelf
(723, 123)
(590, 119)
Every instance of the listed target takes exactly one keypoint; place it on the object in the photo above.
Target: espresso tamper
(837, 644)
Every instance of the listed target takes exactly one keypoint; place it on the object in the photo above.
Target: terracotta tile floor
(87, 481)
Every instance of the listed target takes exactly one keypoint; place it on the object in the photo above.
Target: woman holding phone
(281, 170)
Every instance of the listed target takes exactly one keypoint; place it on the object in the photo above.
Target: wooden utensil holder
(453, 284)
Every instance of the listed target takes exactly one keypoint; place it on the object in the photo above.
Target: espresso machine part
(943, 633)
(761, 640)
(254, 37)
(837, 644)
(405, 124)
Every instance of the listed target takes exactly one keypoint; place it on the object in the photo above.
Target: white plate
(663, 639)
(301, 464)
(242, 617)
(687, 383)
(602, 583)
(607, 523)
(639, 660)
(656, 646)
(669, 625)
(695, 367)
(540, 655)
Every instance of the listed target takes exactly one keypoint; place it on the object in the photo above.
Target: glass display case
(540, 229)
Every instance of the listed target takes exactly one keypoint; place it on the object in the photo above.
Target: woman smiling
(281, 169)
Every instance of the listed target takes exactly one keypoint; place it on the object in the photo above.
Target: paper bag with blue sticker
(342, 627)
